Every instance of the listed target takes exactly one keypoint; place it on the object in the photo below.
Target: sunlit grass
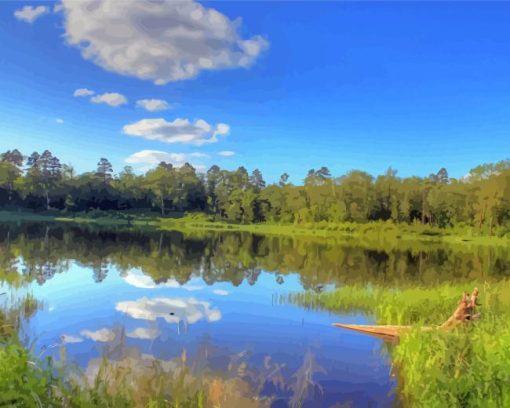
(370, 234)
(469, 367)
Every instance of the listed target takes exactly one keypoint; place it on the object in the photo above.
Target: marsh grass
(29, 381)
(131, 379)
(469, 367)
(26, 381)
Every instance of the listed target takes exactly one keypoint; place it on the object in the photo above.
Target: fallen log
(465, 312)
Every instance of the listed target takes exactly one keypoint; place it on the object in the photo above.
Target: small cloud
(102, 335)
(226, 153)
(83, 92)
(221, 292)
(153, 105)
(59, 121)
(68, 339)
(144, 333)
(29, 14)
(110, 98)
(178, 131)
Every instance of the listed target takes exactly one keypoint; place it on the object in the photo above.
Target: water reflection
(231, 379)
(172, 311)
(189, 314)
(154, 259)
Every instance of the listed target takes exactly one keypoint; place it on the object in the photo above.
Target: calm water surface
(213, 302)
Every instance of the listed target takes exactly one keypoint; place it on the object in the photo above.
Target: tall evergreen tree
(104, 170)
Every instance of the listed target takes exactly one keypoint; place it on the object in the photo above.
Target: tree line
(41, 182)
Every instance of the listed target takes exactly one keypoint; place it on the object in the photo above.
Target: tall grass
(27, 381)
(469, 367)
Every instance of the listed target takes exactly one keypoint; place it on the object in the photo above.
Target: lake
(212, 303)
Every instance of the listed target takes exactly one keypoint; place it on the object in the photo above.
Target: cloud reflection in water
(172, 310)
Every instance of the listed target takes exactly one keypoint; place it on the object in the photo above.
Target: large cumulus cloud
(162, 41)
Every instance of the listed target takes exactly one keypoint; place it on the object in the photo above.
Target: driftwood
(465, 312)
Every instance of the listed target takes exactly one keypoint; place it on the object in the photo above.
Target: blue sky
(415, 86)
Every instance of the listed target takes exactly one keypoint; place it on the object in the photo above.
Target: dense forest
(40, 182)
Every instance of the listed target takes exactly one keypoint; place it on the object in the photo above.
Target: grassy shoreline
(374, 232)
(469, 367)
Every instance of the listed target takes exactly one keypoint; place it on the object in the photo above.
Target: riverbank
(373, 233)
(469, 367)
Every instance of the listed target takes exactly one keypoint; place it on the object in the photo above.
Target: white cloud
(144, 333)
(60, 121)
(179, 131)
(171, 310)
(69, 339)
(226, 153)
(102, 335)
(221, 292)
(29, 14)
(83, 92)
(161, 41)
(110, 98)
(153, 105)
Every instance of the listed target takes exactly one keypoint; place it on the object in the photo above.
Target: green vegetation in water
(131, 381)
(428, 359)
(26, 381)
(469, 367)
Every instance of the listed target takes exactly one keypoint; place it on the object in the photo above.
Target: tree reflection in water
(235, 257)
(230, 374)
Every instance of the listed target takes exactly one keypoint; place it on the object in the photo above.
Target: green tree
(11, 163)
(104, 170)
(257, 181)
(162, 183)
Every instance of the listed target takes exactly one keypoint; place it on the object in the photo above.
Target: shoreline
(374, 232)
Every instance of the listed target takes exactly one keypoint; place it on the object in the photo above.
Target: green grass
(27, 382)
(128, 380)
(469, 367)
(372, 234)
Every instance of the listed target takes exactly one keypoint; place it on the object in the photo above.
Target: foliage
(481, 200)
